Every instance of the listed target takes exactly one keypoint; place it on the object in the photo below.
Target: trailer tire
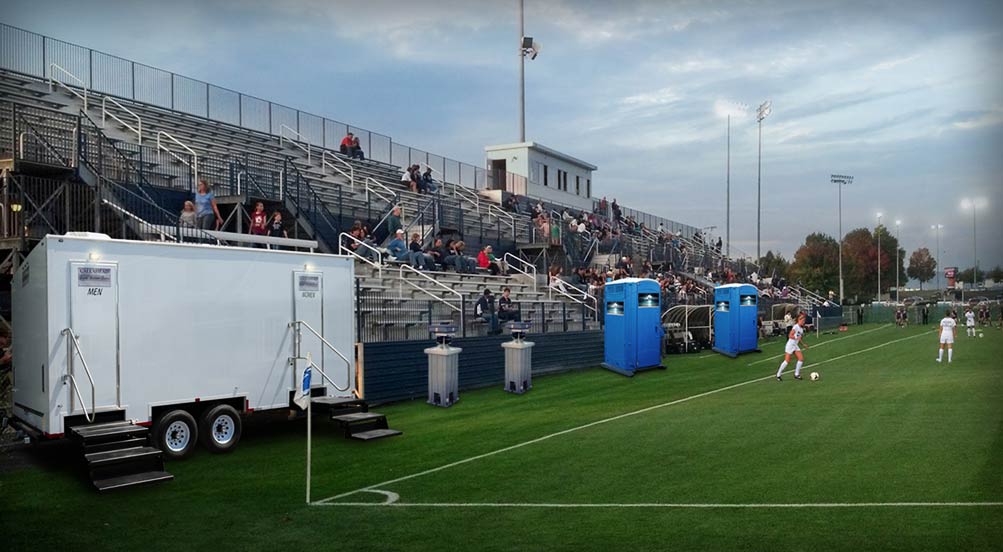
(221, 428)
(176, 434)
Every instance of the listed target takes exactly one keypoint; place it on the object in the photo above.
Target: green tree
(860, 261)
(965, 276)
(816, 263)
(773, 265)
(922, 266)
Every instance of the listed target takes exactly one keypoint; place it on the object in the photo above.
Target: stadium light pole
(840, 180)
(762, 112)
(877, 230)
(728, 109)
(522, 74)
(938, 228)
(527, 47)
(898, 232)
(974, 205)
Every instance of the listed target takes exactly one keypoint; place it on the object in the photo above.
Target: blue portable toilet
(736, 311)
(633, 325)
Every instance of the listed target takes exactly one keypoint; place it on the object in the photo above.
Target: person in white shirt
(948, 329)
(970, 322)
(793, 347)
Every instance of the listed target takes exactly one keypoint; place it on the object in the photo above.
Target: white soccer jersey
(970, 318)
(947, 330)
(792, 339)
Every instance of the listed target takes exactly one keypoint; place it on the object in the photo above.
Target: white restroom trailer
(166, 334)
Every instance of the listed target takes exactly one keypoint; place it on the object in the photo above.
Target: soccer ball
(981, 334)
(814, 376)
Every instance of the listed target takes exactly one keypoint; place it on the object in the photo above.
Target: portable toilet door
(748, 318)
(649, 325)
(93, 321)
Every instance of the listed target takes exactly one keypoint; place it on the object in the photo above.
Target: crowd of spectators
(419, 182)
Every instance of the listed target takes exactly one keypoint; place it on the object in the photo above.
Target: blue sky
(906, 97)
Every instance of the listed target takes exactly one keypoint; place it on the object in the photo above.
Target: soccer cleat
(797, 377)
(780, 378)
(938, 360)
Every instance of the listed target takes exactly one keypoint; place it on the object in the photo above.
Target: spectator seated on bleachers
(484, 309)
(460, 261)
(428, 183)
(394, 221)
(438, 252)
(356, 150)
(348, 144)
(486, 259)
(507, 310)
(417, 256)
(397, 248)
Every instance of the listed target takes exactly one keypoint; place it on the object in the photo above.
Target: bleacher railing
(50, 59)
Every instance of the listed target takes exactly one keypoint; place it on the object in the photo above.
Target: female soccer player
(948, 328)
(794, 347)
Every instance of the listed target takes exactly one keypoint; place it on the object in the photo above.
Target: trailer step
(356, 417)
(375, 434)
(121, 455)
(132, 480)
(336, 401)
(112, 429)
(129, 442)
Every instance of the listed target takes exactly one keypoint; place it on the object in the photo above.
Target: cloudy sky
(906, 97)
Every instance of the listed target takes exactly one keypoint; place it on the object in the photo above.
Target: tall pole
(759, 193)
(522, 77)
(727, 201)
(877, 231)
(898, 232)
(839, 185)
(937, 227)
(762, 112)
(975, 252)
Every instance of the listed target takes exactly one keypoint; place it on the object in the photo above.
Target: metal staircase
(118, 455)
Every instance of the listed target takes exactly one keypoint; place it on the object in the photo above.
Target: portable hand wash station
(736, 312)
(633, 325)
(443, 367)
(518, 360)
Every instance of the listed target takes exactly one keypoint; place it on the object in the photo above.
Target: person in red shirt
(259, 222)
(347, 144)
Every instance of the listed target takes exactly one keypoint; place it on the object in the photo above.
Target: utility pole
(762, 112)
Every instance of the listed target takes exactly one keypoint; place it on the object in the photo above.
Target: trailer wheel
(220, 428)
(176, 434)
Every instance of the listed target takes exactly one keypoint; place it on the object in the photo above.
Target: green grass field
(889, 451)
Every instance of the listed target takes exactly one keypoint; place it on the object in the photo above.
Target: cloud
(892, 63)
(980, 120)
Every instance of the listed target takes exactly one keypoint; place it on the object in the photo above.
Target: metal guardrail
(584, 301)
(194, 164)
(377, 264)
(138, 129)
(350, 174)
(284, 130)
(528, 269)
(380, 190)
(402, 280)
(53, 80)
(74, 344)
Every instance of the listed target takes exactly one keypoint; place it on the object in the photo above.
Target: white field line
(781, 355)
(671, 505)
(377, 486)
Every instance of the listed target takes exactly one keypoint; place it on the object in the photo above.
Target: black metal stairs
(118, 455)
(355, 418)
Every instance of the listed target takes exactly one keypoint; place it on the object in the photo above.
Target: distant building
(534, 170)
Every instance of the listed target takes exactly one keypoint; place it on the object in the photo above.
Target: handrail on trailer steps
(138, 129)
(73, 343)
(297, 326)
(195, 157)
(53, 79)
